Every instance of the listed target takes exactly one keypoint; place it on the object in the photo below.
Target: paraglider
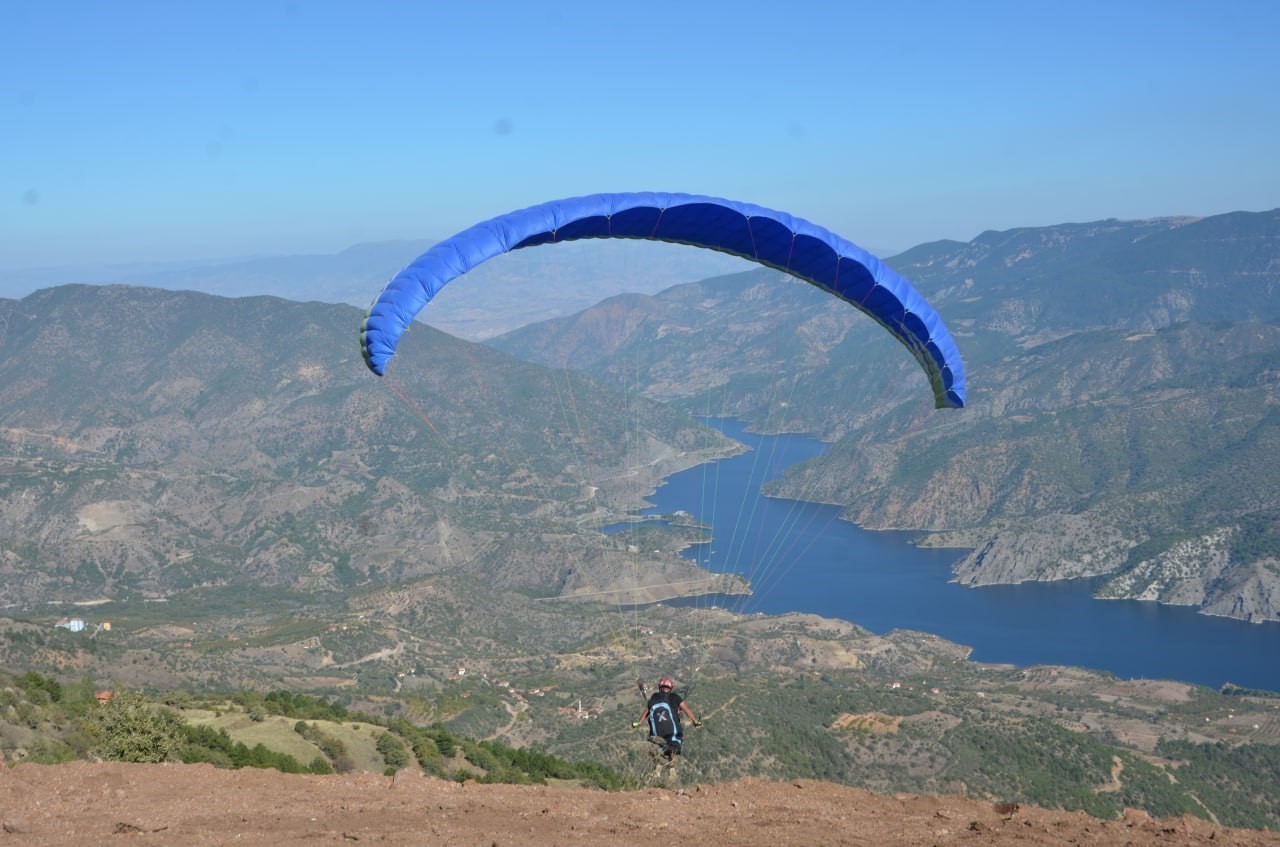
(662, 712)
(774, 239)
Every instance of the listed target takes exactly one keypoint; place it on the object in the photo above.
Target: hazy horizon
(161, 133)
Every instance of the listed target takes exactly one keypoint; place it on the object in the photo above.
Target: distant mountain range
(1123, 384)
(499, 296)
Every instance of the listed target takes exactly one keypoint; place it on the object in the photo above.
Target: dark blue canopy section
(771, 238)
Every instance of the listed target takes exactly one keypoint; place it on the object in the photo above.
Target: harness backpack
(662, 721)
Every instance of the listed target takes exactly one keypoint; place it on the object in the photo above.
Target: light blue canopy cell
(775, 239)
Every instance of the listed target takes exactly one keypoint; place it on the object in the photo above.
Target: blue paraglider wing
(775, 239)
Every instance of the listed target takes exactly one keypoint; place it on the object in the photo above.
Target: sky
(161, 131)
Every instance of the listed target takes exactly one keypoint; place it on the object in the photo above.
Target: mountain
(153, 441)
(500, 295)
(1123, 377)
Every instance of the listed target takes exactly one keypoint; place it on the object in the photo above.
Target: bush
(128, 729)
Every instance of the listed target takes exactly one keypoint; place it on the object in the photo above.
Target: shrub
(129, 729)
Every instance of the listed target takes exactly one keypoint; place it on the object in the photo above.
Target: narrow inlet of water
(800, 557)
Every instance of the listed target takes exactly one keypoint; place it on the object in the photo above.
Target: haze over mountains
(501, 295)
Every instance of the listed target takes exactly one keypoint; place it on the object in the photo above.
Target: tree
(393, 751)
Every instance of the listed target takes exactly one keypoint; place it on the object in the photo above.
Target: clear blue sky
(136, 131)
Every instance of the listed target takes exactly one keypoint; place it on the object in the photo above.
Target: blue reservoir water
(801, 558)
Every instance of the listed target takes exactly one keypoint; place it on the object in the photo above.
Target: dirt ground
(112, 803)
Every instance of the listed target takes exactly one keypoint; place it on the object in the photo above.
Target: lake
(801, 558)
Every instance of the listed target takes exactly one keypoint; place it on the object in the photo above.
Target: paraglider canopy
(775, 239)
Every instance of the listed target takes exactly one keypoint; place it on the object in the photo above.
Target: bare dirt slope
(111, 803)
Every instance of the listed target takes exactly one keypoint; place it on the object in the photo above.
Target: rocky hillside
(155, 441)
